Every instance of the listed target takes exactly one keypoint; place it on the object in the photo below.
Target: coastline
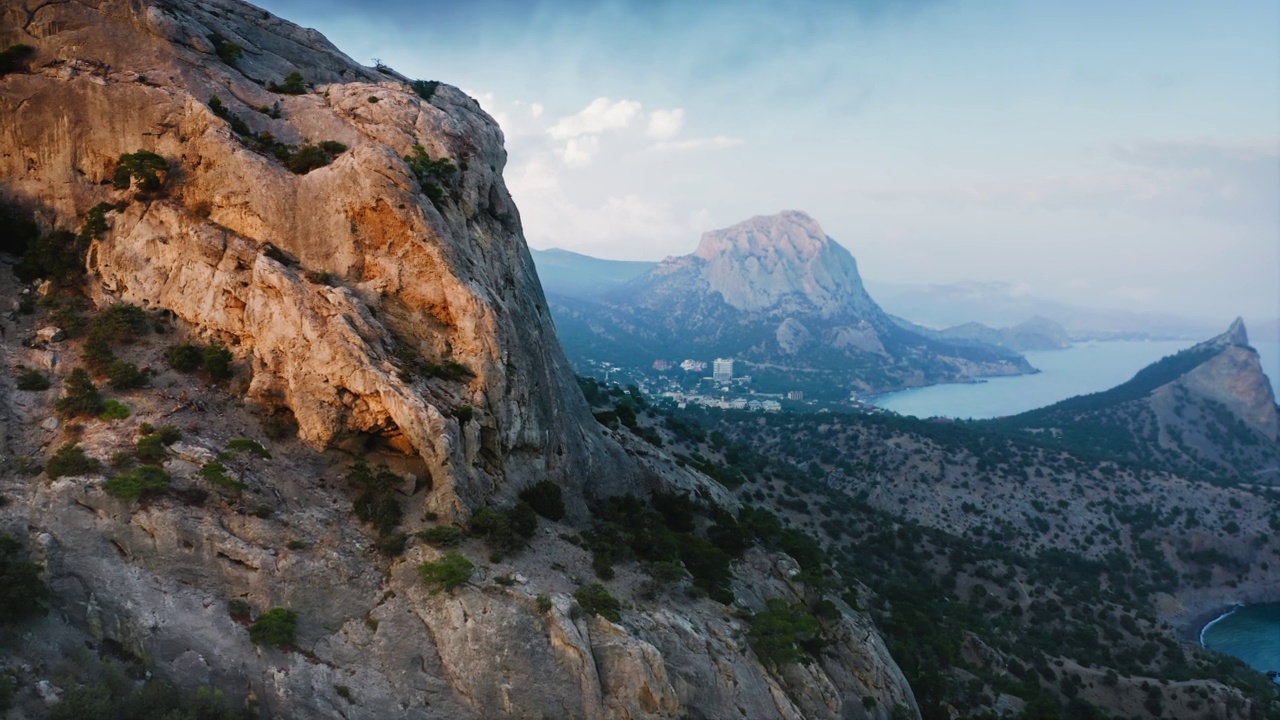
(1194, 631)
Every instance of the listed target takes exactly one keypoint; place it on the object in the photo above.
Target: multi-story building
(722, 370)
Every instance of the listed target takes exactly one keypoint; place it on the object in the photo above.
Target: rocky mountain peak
(1236, 334)
(759, 263)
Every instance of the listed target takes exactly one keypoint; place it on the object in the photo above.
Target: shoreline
(1194, 631)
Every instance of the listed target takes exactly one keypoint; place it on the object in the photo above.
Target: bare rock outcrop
(373, 299)
(230, 244)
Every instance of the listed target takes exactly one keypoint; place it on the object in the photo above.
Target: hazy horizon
(1095, 154)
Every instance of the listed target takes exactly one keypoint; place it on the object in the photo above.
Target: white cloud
(536, 110)
(601, 115)
(665, 124)
(718, 142)
(580, 151)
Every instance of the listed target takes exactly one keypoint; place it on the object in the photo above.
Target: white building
(722, 370)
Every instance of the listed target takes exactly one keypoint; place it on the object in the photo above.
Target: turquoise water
(1250, 633)
(1080, 369)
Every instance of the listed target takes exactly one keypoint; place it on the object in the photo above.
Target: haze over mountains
(777, 293)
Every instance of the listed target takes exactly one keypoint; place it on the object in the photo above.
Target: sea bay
(1080, 369)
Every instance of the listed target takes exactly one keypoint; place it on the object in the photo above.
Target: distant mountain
(777, 294)
(1208, 410)
(1005, 304)
(564, 272)
(1038, 333)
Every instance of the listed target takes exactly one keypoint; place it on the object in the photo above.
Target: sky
(1098, 153)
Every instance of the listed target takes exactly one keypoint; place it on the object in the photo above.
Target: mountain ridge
(779, 295)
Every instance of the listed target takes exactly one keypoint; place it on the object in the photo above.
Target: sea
(1251, 633)
(1082, 368)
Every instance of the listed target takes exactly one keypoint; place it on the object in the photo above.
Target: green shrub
(14, 58)
(119, 323)
(71, 460)
(124, 375)
(217, 361)
(142, 480)
(18, 230)
(143, 167)
(425, 89)
(215, 473)
(185, 357)
(56, 255)
(168, 434)
(442, 536)
(523, 519)
(447, 573)
(293, 85)
(114, 410)
(546, 498)
(236, 446)
(430, 173)
(309, 157)
(784, 633)
(277, 626)
(544, 603)
(33, 380)
(82, 398)
(22, 593)
(151, 449)
(229, 52)
(96, 354)
(596, 600)
(377, 501)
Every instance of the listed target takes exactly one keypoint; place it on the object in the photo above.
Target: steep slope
(777, 293)
(388, 303)
(1208, 410)
(230, 244)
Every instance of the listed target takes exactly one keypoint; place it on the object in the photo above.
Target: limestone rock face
(758, 263)
(230, 245)
(1234, 378)
(369, 300)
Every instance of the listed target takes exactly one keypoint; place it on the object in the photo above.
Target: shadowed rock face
(449, 281)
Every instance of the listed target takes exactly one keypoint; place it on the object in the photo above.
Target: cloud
(601, 115)
(1232, 182)
(711, 143)
(665, 124)
(536, 110)
(580, 151)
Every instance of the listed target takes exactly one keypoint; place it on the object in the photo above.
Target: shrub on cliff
(425, 89)
(143, 167)
(82, 398)
(33, 380)
(293, 85)
(142, 480)
(71, 460)
(546, 499)
(447, 573)
(229, 52)
(184, 357)
(596, 600)
(784, 633)
(277, 626)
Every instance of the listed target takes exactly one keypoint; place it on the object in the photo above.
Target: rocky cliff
(1208, 411)
(230, 245)
(348, 235)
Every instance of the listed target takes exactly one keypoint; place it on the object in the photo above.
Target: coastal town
(687, 382)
